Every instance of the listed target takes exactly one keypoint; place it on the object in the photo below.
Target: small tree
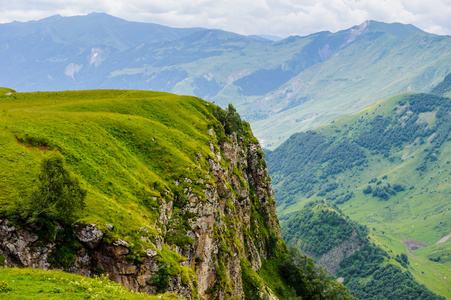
(57, 196)
(229, 119)
(368, 190)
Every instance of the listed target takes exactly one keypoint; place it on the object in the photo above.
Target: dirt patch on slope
(414, 245)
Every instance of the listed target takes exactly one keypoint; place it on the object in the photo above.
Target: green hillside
(386, 167)
(346, 249)
(125, 146)
(158, 170)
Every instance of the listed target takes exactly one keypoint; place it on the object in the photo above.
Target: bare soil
(414, 245)
(444, 239)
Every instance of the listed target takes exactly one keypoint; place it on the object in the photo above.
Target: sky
(262, 17)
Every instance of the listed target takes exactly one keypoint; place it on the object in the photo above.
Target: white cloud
(272, 17)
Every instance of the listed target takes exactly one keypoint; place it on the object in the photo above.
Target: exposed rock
(121, 243)
(89, 235)
(119, 248)
(151, 252)
(331, 260)
(15, 247)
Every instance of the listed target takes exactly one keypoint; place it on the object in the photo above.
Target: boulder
(89, 235)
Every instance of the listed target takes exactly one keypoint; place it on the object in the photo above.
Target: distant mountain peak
(371, 26)
(358, 30)
(396, 29)
(98, 14)
(53, 18)
(365, 24)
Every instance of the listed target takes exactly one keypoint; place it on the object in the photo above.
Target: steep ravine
(231, 219)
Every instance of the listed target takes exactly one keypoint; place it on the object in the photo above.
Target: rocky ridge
(231, 220)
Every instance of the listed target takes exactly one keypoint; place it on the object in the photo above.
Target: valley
(330, 150)
(386, 167)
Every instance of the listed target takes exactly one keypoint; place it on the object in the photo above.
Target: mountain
(349, 252)
(386, 167)
(444, 87)
(95, 29)
(159, 192)
(280, 87)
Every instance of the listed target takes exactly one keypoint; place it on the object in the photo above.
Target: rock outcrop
(89, 235)
(331, 260)
(233, 218)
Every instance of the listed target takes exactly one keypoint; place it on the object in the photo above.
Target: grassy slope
(125, 146)
(128, 148)
(421, 214)
(38, 284)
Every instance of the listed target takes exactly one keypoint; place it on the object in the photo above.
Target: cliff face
(205, 231)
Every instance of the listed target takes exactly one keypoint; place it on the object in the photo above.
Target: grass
(18, 283)
(129, 149)
(126, 147)
(132, 151)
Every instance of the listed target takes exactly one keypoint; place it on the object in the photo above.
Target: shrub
(368, 190)
(57, 196)
(398, 187)
(229, 119)
(161, 280)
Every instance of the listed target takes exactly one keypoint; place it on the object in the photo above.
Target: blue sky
(263, 17)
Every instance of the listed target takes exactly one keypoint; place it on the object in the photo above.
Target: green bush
(229, 119)
(368, 190)
(162, 278)
(57, 196)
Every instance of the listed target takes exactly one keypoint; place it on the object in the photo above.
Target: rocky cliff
(172, 196)
(222, 219)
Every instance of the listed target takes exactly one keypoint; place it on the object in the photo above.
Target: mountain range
(280, 87)
(178, 195)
